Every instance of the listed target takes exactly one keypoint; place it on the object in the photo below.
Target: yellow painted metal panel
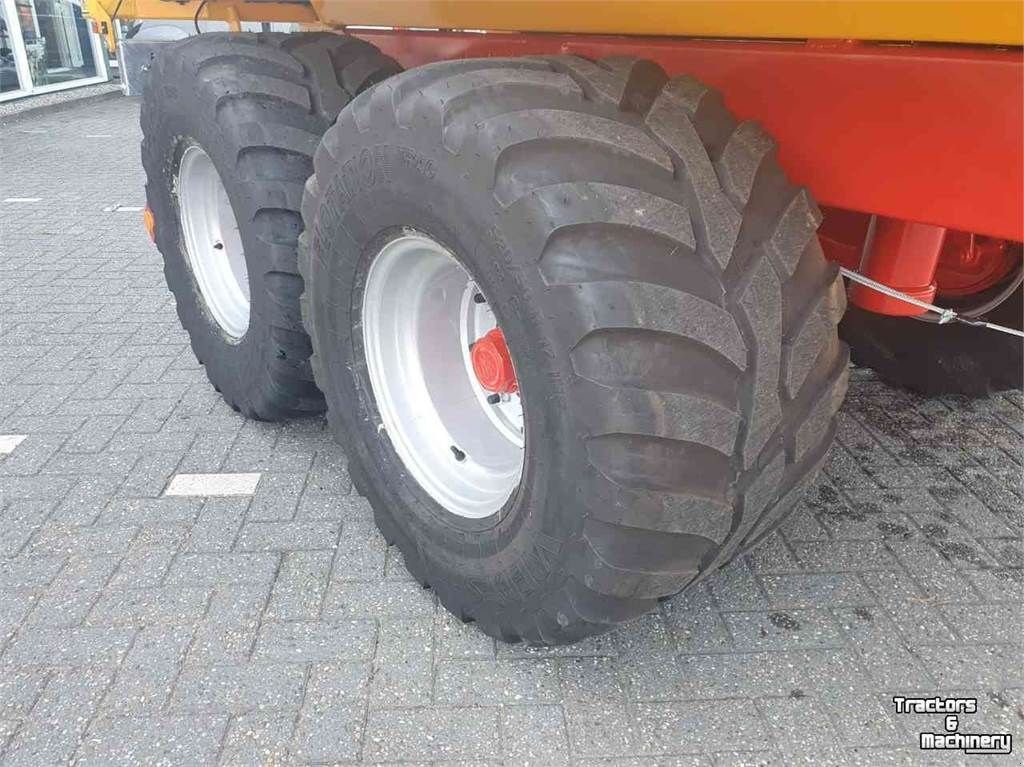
(105, 11)
(983, 21)
(998, 22)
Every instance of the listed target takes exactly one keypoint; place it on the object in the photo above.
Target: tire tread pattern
(670, 497)
(274, 95)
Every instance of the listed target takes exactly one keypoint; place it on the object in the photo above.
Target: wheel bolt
(478, 298)
(218, 246)
(493, 399)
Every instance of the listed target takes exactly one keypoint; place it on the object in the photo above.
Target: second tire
(230, 122)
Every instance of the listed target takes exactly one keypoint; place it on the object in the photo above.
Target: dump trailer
(577, 283)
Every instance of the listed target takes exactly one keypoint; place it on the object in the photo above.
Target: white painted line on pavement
(123, 208)
(213, 484)
(23, 199)
(10, 441)
(99, 135)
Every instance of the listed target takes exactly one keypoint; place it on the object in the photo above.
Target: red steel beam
(926, 133)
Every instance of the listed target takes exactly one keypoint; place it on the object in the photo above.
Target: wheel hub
(213, 244)
(442, 377)
(492, 363)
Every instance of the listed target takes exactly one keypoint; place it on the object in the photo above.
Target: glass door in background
(53, 46)
(13, 68)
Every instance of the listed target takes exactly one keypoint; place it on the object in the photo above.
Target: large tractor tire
(230, 123)
(936, 360)
(666, 333)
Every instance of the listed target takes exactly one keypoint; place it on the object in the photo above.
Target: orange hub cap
(493, 364)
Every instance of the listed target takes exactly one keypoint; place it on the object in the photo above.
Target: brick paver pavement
(136, 627)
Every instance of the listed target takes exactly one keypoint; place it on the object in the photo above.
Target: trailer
(578, 283)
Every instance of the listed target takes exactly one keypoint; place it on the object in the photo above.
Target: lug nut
(493, 399)
(478, 298)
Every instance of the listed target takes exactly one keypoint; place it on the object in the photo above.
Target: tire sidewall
(378, 189)
(185, 118)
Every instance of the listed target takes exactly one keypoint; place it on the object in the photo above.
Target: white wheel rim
(420, 316)
(213, 245)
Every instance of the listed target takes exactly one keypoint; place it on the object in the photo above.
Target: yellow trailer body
(990, 22)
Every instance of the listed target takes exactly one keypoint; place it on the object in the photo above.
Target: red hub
(971, 263)
(493, 364)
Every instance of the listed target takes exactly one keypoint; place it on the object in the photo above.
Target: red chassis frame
(927, 137)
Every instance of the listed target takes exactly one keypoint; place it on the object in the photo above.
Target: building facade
(47, 45)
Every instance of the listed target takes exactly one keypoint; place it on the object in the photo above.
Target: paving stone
(737, 588)
(696, 623)
(149, 511)
(145, 607)
(237, 689)
(990, 666)
(360, 600)
(844, 556)
(146, 677)
(277, 497)
(19, 690)
(986, 623)
(783, 630)
(27, 571)
(437, 734)
(315, 641)
(258, 737)
(145, 565)
(919, 623)
(598, 730)
(876, 640)
(288, 536)
(300, 585)
(96, 540)
(403, 663)
(217, 526)
(84, 503)
(864, 721)
(802, 590)
(330, 733)
(19, 522)
(667, 728)
(59, 718)
(48, 645)
(163, 739)
(590, 679)
(31, 454)
(763, 674)
(202, 568)
(489, 683)
(228, 633)
(800, 728)
(361, 554)
(330, 725)
(534, 735)
(68, 599)
(455, 639)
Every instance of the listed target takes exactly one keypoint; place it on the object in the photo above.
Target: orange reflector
(150, 221)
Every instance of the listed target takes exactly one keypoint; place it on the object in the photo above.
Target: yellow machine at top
(995, 22)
